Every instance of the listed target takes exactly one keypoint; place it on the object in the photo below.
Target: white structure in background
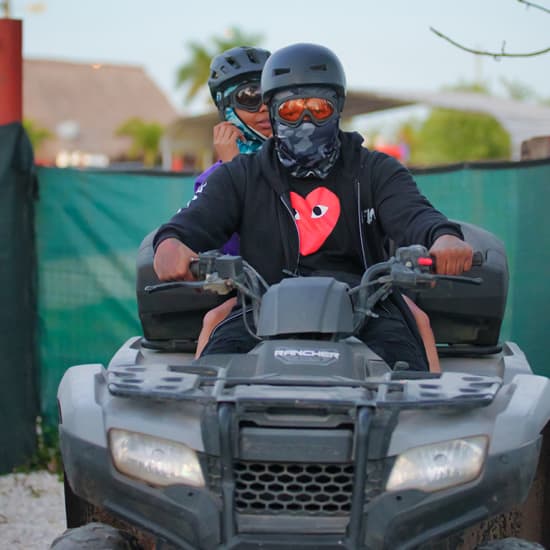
(68, 131)
(78, 159)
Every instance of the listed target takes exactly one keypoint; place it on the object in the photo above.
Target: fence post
(11, 71)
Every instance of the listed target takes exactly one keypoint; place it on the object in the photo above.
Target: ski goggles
(292, 111)
(247, 96)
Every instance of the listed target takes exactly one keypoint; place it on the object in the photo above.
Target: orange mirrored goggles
(294, 110)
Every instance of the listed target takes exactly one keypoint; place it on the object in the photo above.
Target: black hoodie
(250, 196)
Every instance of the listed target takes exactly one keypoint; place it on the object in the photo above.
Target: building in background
(81, 105)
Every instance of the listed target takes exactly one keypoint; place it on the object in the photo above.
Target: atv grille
(214, 473)
(293, 489)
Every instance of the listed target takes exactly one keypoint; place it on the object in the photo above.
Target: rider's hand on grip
(171, 262)
(453, 256)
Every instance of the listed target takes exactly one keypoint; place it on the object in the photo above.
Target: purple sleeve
(202, 177)
(232, 246)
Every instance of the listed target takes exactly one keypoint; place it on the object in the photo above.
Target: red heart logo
(316, 216)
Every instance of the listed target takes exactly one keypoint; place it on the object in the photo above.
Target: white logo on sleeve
(369, 215)
(199, 190)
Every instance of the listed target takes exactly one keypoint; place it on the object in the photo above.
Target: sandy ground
(32, 510)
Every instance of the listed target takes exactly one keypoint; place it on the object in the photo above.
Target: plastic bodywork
(296, 440)
(271, 427)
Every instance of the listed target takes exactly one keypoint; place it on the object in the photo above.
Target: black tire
(94, 536)
(510, 544)
(77, 511)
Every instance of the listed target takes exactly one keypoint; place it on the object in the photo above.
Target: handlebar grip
(478, 260)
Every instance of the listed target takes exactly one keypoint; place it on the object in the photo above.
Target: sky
(383, 44)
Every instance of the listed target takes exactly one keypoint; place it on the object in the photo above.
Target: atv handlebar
(411, 267)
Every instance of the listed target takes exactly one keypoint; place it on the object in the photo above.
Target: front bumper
(192, 518)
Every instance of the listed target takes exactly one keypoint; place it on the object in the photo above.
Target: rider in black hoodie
(312, 200)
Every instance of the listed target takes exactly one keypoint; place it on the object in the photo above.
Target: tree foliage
(452, 136)
(449, 136)
(145, 138)
(194, 74)
(37, 134)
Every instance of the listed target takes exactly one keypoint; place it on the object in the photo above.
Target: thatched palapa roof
(87, 102)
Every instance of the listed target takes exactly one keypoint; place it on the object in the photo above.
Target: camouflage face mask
(306, 149)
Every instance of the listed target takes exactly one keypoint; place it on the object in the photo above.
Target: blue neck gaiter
(254, 140)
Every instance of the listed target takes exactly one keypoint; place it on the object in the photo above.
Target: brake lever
(414, 279)
(211, 283)
(150, 289)
(459, 279)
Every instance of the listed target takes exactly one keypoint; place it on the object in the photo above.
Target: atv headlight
(154, 460)
(439, 465)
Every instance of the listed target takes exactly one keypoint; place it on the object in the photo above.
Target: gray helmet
(235, 65)
(302, 65)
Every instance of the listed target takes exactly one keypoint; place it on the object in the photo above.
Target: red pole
(11, 71)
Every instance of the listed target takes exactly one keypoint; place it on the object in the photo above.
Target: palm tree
(194, 74)
(145, 139)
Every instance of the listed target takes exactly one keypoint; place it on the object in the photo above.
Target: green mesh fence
(90, 224)
(511, 201)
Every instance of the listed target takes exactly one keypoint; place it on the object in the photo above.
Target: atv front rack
(209, 384)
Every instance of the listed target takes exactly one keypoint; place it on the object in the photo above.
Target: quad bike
(310, 440)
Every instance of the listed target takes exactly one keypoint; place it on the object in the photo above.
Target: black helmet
(302, 65)
(234, 65)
